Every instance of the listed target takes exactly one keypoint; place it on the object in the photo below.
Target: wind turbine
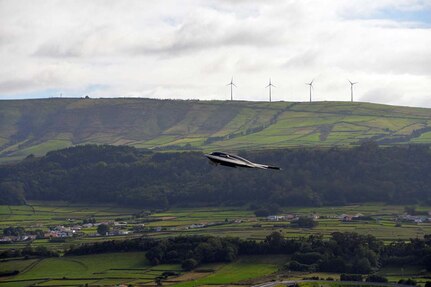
(231, 84)
(311, 87)
(270, 85)
(351, 89)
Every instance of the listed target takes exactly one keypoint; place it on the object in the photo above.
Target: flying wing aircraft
(232, 160)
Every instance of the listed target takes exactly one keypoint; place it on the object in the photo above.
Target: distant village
(122, 228)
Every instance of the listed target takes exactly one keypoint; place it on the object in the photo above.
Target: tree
(305, 222)
(350, 277)
(262, 212)
(275, 241)
(189, 264)
(407, 282)
(378, 278)
(103, 229)
(411, 210)
(14, 231)
(11, 193)
(296, 266)
(362, 266)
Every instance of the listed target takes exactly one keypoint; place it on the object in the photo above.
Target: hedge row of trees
(310, 177)
(343, 252)
(39, 251)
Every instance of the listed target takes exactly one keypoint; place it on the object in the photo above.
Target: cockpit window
(220, 154)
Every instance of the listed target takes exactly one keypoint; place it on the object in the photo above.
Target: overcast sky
(191, 49)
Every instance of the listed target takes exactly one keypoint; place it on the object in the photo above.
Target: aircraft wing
(264, 166)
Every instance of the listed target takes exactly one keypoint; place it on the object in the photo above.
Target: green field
(38, 126)
(219, 221)
(243, 269)
(109, 268)
(133, 268)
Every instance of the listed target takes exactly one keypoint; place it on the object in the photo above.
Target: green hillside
(37, 126)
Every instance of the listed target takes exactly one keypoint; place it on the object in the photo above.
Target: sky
(190, 49)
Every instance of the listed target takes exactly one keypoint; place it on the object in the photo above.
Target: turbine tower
(311, 87)
(351, 89)
(231, 84)
(270, 85)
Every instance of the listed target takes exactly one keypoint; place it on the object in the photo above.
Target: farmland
(38, 126)
(219, 221)
(129, 268)
(133, 267)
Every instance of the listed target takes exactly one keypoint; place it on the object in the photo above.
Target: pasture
(130, 268)
(217, 221)
(204, 125)
(100, 269)
(133, 268)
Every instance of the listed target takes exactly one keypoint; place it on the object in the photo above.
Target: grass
(59, 123)
(176, 222)
(18, 264)
(243, 269)
(116, 268)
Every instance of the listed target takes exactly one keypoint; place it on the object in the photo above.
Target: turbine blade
(234, 85)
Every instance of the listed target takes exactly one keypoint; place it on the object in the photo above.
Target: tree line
(343, 252)
(137, 177)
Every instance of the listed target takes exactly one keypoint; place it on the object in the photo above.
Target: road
(293, 282)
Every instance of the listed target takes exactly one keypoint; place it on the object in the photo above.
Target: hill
(38, 126)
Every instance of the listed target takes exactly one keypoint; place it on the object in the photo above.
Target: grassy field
(132, 268)
(104, 269)
(244, 269)
(218, 221)
(39, 126)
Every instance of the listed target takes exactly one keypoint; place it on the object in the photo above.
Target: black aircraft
(232, 160)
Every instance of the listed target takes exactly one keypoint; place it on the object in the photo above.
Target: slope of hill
(37, 126)
(136, 177)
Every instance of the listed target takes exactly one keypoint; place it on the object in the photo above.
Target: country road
(293, 282)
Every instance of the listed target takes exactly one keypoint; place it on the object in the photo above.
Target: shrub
(376, 278)
(351, 277)
(189, 264)
(409, 281)
(296, 266)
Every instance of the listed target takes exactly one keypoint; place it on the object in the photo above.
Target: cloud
(190, 49)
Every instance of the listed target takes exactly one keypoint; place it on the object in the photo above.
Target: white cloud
(190, 49)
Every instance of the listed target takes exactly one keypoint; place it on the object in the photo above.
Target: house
(200, 225)
(345, 217)
(5, 240)
(275, 217)
(413, 218)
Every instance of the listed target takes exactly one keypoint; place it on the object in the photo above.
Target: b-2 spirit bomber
(232, 160)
